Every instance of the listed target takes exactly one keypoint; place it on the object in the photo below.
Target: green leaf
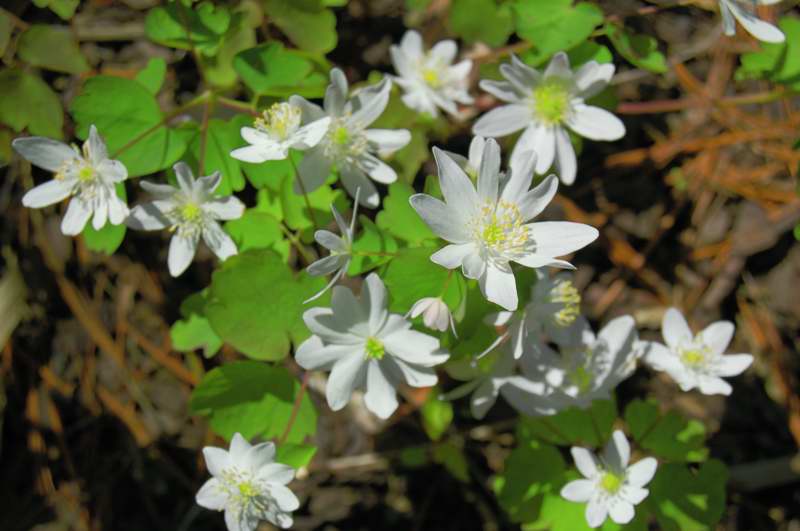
(295, 455)
(207, 24)
(640, 50)
(555, 25)
(453, 459)
(27, 102)
(481, 20)
(218, 69)
(307, 23)
(371, 240)
(271, 70)
(258, 230)
(437, 415)
(53, 48)
(777, 62)
(65, 9)
(221, 138)
(127, 115)
(256, 304)
(411, 276)
(589, 51)
(399, 219)
(253, 399)
(668, 436)
(797, 232)
(573, 426)
(109, 237)
(152, 75)
(194, 331)
(6, 27)
(685, 500)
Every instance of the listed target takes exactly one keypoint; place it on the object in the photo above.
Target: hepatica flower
(744, 12)
(348, 145)
(611, 487)
(248, 485)
(429, 79)
(364, 346)
(489, 228)
(696, 361)
(86, 175)
(545, 106)
(190, 211)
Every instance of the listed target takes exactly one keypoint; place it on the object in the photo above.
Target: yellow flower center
(374, 348)
(341, 136)
(695, 356)
(551, 101)
(611, 483)
(191, 212)
(564, 292)
(499, 229)
(86, 174)
(431, 77)
(247, 490)
(345, 141)
(280, 121)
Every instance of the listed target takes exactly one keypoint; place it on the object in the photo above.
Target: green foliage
(668, 436)
(592, 426)
(52, 48)
(152, 75)
(451, 457)
(371, 240)
(555, 25)
(307, 23)
(206, 25)
(687, 500)
(27, 102)
(295, 455)
(640, 50)
(256, 304)
(218, 69)
(215, 148)
(399, 219)
(481, 21)
(194, 331)
(65, 9)
(258, 230)
(254, 399)
(411, 276)
(272, 70)
(127, 116)
(437, 415)
(6, 26)
(779, 63)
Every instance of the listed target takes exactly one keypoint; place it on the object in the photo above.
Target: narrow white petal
(217, 460)
(381, 397)
(100, 215)
(45, 153)
(474, 265)
(276, 473)
(148, 216)
(48, 193)
(596, 512)
(370, 102)
(503, 120)
(335, 94)
(535, 201)
(411, 44)
(260, 455)
(78, 213)
(718, 336)
(414, 347)
(621, 512)
(112, 170)
(97, 148)
(634, 495)
(579, 490)
(312, 354)
(388, 140)
(712, 385)
(558, 238)
(328, 324)
(211, 495)
(489, 171)
(540, 139)
(592, 78)
(558, 67)
(500, 286)
(377, 169)
(225, 208)
(313, 170)
(374, 300)
(452, 256)
(445, 51)
(218, 241)
(181, 253)
(733, 364)
(440, 218)
(284, 497)
(356, 182)
(118, 211)
(595, 123)
(310, 135)
(641, 472)
(261, 153)
(502, 90)
(585, 461)
(566, 163)
(343, 379)
(763, 31)
(617, 452)
(457, 189)
(675, 329)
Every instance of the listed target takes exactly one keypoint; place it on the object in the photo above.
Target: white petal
(621, 511)
(184, 175)
(585, 461)
(148, 216)
(312, 354)
(483, 398)
(377, 169)
(284, 497)
(78, 213)
(440, 218)
(759, 29)
(211, 495)
(356, 182)
(160, 191)
(335, 94)
(558, 238)
(237, 520)
(489, 171)
(732, 364)
(535, 201)
(343, 379)
(388, 140)
(503, 120)
(500, 287)
(559, 67)
(381, 397)
(675, 329)
(634, 495)
(617, 452)
(100, 215)
(117, 210)
(502, 90)
(310, 135)
(327, 323)
(445, 51)
(596, 512)
(225, 207)
(592, 78)
(217, 460)
(452, 256)
(411, 44)
(181, 253)
(261, 153)
(414, 347)
(48, 193)
(220, 243)
(326, 265)
(374, 301)
(566, 162)
(640, 473)
(579, 490)
(259, 455)
(313, 170)
(457, 189)
(540, 139)
(370, 102)
(112, 170)
(330, 240)
(45, 153)
(595, 123)
(718, 336)
(413, 375)
(712, 385)
(276, 473)
(473, 266)
(97, 148)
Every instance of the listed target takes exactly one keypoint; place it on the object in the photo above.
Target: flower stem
(295, 409)
(305, 193)
(307, 256)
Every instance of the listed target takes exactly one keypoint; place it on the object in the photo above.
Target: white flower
(435, 314)
(696, 361)
(348, 146)
(589, 367)
(733, 10)
(430, 80)
(363, 345)
(276, 131)
(611, 487)
(88, 176)
(545, 106)
(248, 485)
(190, 211)
(340, 247)
(555, 309)
(489, 228)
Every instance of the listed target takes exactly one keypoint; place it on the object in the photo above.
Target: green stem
(295, 409)
(305, 193)
(307, 256)
(237, 105)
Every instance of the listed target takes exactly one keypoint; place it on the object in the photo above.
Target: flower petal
(440, 218)
(596, 512)
(377, 169)
(500, 286)
(369, 103)
(718, 336)
(259, 455)
(45, 153)
(592, 78)
(559, 238)
(217, 460)
(540, 139)
(457, 189)
(284, 497)
(414, 347)
(617, 452)
(579, 490)
(585, 461)
(503, 120)
(381, 396)
(220, 243)
(763, 31)
(489, 172)
(641, 472)
(310, 134)
(356, 182)
(621, 512)
(674, 328)
(276, 473)
(312, 354)
(732, 364)
(374, 299)
(712, 385)
(313, 170)
(326, 265)
(445, 51)
(148, 216)
(181, 253)
(452, 256)
(48, 193)
(559, 67)
(225, 208)
(78, 213)
(343, 380)
(335, 94)
(595, 123)
(388, 140)
(566, 162)
(211, 495)
(329, 325)
(535, 201)
(184, 175)
(502, 90)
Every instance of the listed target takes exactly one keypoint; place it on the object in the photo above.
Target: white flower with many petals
(545, 105)
(363, 345)
(276, 131)
(191, 211)
(430, 80)
(587, 368)
(340, 247)
(348, 145)
(248, 485)
(696, 361)
(435, 314)
(744, 12)
(611, 486)
(88, 176)
(490, 227)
